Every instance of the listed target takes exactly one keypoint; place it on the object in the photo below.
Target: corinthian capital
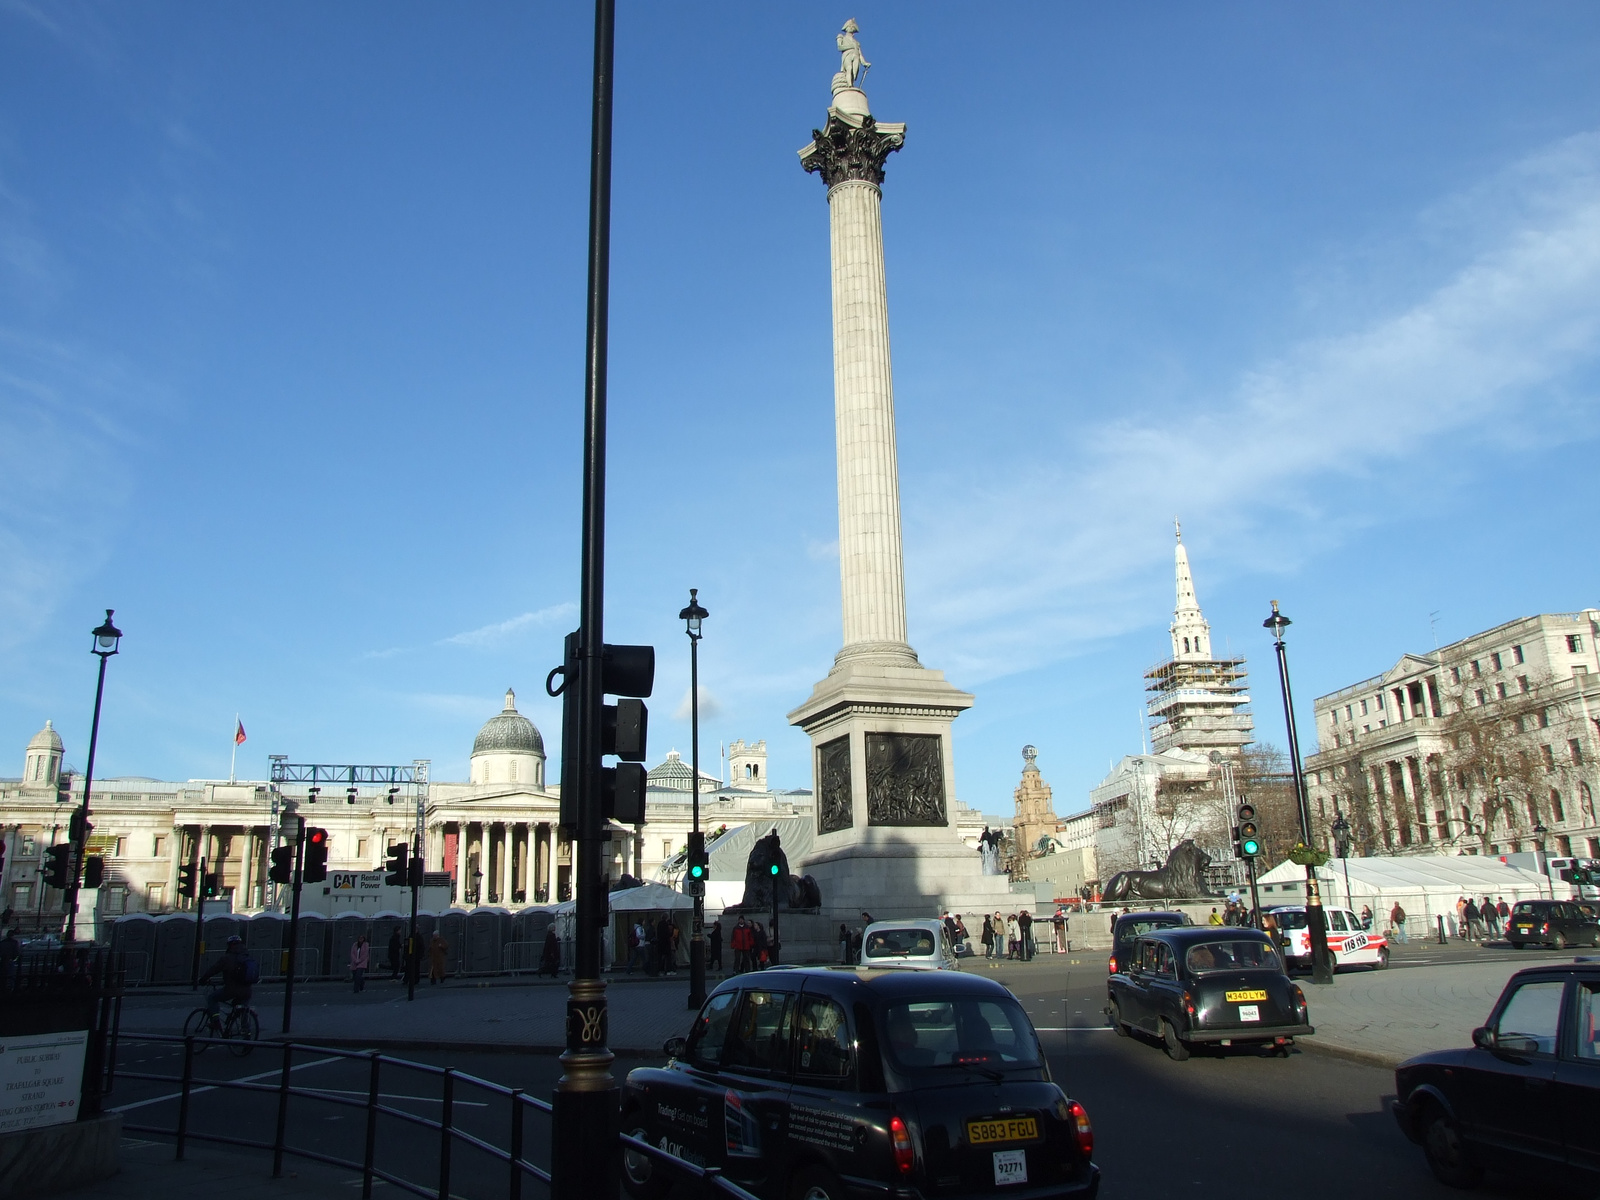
(851, 147)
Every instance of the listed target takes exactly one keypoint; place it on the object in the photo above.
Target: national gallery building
(495, 836)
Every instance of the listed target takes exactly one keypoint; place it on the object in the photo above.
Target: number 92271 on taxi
(844, 1083)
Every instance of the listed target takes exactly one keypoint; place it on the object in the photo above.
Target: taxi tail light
(905, 1157)
(1299, 1000)
(1188, 1005)
(1112, 965)
(1082, 1131)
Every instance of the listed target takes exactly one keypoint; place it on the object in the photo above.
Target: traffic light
(213, 884)
(58, 866)
(282, 870)
(186, 874)
(393, 792)
(94, 871)
(78, 829)
(1247, 834)
(415, 872)
(698, 863)
(627, 672)
(316, 868)
(398, 876)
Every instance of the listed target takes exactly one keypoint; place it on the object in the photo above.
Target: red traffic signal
(316, 863)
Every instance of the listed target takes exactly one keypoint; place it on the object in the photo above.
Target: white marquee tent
(1426, 886)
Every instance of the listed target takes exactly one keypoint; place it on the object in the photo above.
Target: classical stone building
(495, 836)
(1488, 745)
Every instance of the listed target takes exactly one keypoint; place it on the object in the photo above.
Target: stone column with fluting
(849, 155)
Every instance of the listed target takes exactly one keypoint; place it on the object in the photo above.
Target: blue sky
(291, 321)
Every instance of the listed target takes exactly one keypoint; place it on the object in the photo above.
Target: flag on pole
(238, 732)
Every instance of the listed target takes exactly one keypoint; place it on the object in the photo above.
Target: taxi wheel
(640, 1178)
(1117, 1022)
(815, 1183)
(1448, 1154)
(1558, 942)
(1383, 959)
(1177, 1048)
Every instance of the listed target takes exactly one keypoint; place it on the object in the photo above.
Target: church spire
(1191, 636)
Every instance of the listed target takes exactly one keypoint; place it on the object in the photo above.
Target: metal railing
(451, 1134)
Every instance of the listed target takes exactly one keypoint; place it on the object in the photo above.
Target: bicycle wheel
(196, 1026)
(242, 1030)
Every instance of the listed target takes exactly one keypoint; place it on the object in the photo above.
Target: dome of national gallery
(508, 733)
(46, 739)
(508, 749)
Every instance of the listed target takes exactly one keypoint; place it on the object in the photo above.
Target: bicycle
(239, 1029)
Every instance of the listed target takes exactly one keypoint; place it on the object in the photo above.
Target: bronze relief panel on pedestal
(835, 804)
(905, 779)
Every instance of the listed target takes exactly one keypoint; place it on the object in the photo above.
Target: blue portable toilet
(453, 928)
(264, 936)
(344, 929)
(312, 951)
(487, 932)
(385, 924)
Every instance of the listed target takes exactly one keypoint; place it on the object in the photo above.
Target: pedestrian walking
(1013, 935)
(962, 938)
(1503, 909)
(714, 946)
(1025, 934)
(758, 945)
(1461, 917)
(550, 953)
(1215, 918)
(360, 954)
(844, 942)
(1060, 923)
(395, 946)
(1397, 918)
(988, 936)
(665, 958)
(1490, 918)
(438, 948)
(1473, 920)
(741, 941)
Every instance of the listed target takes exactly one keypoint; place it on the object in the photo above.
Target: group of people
(1234, 913)
(1476, 921)
(1011, 936)
(653, 945)
(395, 959)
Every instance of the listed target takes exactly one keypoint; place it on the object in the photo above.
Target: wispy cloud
(501, 631)
(1033, 569)
(709, 706)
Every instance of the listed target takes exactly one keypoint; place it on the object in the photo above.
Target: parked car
(1127, 928)
(1557, 923)
(1207, 984)
(920, 945)
(1352, 945)
(828, 1083)
(1525, 1098)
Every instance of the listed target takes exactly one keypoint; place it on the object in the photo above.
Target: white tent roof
(1468, 874)
(647, 897)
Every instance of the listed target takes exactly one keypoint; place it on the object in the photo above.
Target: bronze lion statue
(1183, 878)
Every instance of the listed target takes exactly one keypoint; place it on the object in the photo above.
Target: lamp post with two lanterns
(1316, 919)
(106, 640)
(694, 864)
(1341, 844)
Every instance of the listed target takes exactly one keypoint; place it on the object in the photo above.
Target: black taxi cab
(829, 1083)
(1207, 984)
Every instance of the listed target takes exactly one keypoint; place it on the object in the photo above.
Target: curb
(448, 1047)
(1367, 1058)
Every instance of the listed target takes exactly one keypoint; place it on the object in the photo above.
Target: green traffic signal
(774, 868)
(697, 871)
(1251, 847)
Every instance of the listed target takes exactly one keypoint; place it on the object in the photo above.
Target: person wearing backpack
(239, 973)
(1397, 918)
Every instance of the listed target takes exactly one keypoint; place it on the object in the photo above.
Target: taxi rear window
(1527, 909)
(949, 1035)
(1292, 920)
(1129, 930)
(899, 943)
(1236, 955)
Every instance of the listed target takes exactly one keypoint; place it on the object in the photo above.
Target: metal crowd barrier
(450, 1135)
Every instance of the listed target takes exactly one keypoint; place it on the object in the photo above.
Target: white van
(922, 945)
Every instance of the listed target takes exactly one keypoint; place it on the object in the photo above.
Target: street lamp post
(1316, 919)
(691, 617)
(1341, 843)
(106, 639)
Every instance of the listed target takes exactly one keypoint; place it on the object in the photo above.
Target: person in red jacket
(742, 941)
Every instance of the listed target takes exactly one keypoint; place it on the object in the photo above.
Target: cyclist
(238, 971)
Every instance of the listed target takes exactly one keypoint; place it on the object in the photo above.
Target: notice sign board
(41, 1078)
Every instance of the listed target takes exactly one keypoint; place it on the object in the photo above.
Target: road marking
(213, 1087)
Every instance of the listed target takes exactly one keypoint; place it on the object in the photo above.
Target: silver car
(921, 945)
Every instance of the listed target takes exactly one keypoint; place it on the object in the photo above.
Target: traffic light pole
(584, 1118)
(412, 955)
(199, 923)
(1255, 896)
(81, 836)
(294, 920)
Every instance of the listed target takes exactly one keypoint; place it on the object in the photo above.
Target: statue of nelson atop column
(853, 64)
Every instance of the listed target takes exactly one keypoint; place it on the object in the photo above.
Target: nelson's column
(880, 722)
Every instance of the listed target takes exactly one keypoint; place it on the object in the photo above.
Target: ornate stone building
(1035, 821)
(1489, 745)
